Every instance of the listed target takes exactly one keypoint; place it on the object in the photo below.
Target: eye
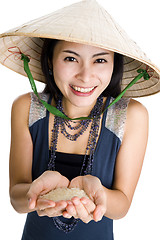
(100, 60)
(70, 59)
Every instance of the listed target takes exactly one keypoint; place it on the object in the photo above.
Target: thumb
(32, 202)
(101, 205)
(33, 193)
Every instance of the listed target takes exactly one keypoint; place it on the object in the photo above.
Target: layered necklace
(61, 125)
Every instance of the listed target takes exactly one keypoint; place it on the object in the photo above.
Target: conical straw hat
(83, 22)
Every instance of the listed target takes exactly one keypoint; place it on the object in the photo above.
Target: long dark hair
(113, 89)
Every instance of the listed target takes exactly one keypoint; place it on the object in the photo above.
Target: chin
(83, 101)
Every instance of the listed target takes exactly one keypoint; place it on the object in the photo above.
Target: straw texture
(84, 22)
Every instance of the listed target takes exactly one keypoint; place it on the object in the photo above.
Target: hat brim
(87, 29)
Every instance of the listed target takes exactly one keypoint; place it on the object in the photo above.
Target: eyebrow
(95, 55)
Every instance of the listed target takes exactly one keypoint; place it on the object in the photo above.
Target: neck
(73, 111)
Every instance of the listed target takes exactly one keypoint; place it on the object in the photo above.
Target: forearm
(117, 204)
(18, 197)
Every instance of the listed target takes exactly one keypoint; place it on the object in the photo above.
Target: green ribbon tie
(142, 73)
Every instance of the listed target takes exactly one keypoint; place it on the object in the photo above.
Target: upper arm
(21, 142)
(132, 151)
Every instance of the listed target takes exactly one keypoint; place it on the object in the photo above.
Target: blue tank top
(110, 138)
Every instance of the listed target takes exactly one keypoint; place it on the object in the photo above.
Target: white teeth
(83, 90)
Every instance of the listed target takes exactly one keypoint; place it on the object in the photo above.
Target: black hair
(113, 89)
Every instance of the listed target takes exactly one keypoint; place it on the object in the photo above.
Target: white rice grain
(64, 194)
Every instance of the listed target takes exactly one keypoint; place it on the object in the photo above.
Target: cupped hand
(87, 209)
(48, 181)
(50, 208)
(80, 208)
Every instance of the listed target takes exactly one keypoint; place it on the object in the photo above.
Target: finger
(33, 193)
(32, 202)
(41, 213)
(44, 203)
(89, 205)
(77, 182)
(57, 210)
(53, 211)
(66, 214)
(98, 214)
(49, 213)
(101, 203)
(70, 209)
(82, 212)
(61, 205)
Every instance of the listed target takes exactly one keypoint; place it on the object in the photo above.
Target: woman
(75, 67)
(103, 155)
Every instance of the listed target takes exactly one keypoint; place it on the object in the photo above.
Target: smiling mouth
(82, 90)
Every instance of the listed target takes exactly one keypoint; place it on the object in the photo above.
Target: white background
(140, 19)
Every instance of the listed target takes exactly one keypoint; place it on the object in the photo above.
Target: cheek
(107, 74)
(62, 73)
(58, 75)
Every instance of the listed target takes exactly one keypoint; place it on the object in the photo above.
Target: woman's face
(81, 72)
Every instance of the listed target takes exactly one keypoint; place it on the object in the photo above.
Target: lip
(83, 94)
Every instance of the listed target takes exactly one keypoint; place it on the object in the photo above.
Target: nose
(85, 73)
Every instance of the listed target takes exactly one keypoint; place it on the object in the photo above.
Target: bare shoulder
(22, 99)
(136, 111)
(21, 107)
(137, 106)
(137, 116)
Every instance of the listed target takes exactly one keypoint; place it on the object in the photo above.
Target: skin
(80, 69)
(83, 66)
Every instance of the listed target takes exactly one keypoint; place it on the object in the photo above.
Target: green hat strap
(142, 73)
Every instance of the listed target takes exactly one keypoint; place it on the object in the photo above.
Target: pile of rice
(64, 194)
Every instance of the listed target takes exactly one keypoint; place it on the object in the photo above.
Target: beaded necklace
(87, 165)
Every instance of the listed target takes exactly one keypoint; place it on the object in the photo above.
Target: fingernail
(66, 215)
(76, 201)
(99, 217)
(30, 205)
